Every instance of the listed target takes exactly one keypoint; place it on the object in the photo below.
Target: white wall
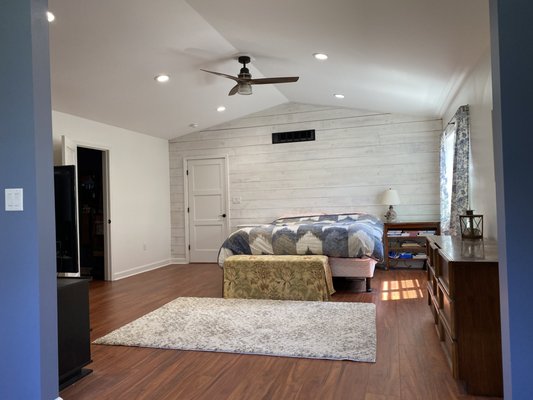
(356, 156)
(477, 92)
(139, 191)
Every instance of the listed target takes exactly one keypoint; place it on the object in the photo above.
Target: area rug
(308, 329)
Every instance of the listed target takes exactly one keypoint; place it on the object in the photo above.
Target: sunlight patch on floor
(405, 289)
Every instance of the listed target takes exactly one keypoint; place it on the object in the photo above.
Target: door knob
(223, 215)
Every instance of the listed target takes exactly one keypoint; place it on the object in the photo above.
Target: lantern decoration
(471, 225)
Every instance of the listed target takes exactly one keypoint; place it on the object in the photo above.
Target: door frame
(108, 268)
(225, 157)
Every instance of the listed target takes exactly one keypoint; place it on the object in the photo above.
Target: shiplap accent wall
(355, 157)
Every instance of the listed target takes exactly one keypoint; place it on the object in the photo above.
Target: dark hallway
(91, 212)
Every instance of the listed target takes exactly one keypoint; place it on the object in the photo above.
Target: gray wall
(356, 156)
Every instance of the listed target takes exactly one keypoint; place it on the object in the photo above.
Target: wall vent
(293, 136)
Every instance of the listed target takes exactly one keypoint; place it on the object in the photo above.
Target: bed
(342, 236)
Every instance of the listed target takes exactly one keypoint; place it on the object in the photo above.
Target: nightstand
(406, 241)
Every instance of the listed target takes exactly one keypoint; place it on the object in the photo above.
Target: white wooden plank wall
(355, 157)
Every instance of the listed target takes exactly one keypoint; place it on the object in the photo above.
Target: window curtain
(454, 165)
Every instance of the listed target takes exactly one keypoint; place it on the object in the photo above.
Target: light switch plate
(14, 199)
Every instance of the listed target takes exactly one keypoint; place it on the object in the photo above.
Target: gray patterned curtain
(454, 164)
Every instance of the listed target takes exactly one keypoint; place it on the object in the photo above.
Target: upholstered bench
(278, 277)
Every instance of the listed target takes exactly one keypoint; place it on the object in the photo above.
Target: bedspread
(334, 235)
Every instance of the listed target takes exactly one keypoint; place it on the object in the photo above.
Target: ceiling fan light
(245, 88)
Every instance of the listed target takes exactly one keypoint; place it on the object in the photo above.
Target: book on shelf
(411, 244)
(426, 233)
(394, 233)
(404, 256)
(420, 256)
(401, 256)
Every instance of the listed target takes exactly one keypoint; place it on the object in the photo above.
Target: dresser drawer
(433, 256)
(447, 309)
(450, 348)
(444, 273)
(433, 304)
(430, 292)
(432, 279)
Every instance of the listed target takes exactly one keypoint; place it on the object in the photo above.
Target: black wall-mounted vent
(293, 136)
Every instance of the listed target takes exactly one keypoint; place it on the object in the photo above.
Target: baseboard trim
(178, 261)
(140, 269)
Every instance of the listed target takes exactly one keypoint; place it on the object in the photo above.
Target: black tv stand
(83, 372)
(74, 342)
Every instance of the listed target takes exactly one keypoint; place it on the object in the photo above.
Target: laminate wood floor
(410, 363)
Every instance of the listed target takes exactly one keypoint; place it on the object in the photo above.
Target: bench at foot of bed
(278, 277)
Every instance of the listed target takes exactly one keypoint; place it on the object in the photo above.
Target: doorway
(91, 210)
(207, 207)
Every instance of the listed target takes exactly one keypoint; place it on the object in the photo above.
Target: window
(447, 156)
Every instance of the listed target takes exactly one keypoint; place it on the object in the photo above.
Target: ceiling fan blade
(221, 74)
(263, 81)
(233, 90)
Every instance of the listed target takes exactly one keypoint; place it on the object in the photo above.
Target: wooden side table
(406, 241)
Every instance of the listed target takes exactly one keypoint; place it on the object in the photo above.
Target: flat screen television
(67, 256)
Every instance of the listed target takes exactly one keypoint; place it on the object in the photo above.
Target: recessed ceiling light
(221, 109)
(193, 125)
(339, 96)
(49, 16)
(320, 56)
(162, 78)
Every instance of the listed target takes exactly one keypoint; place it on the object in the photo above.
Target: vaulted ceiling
(406, 56)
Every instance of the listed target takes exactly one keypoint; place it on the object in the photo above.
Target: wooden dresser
(464, 298)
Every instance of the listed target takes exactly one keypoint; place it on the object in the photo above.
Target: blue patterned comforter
(335, 235)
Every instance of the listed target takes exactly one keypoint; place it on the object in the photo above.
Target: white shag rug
(308, 329)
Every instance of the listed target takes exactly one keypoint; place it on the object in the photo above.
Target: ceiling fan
(245, 81)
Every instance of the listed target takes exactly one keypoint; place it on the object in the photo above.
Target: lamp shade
(390, 197)
(244, 88)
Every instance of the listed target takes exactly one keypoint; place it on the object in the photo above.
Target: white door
(69, 156)
(69, 152)
(207, 207)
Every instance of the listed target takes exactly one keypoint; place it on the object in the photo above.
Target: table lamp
(391, 198)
